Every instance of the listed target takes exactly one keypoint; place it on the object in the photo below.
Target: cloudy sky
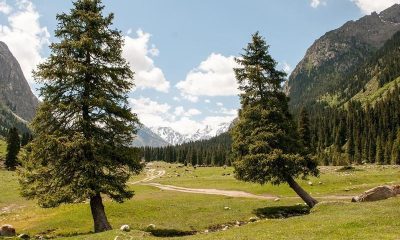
(183, 51)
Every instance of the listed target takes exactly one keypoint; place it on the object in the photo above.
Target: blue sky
(182, 50)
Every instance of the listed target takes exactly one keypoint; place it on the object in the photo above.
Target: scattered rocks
(125, 228)
(7, 231)
(24, 236)
(253, 219)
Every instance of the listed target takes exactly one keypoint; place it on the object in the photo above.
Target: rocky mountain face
(146, 138)
(324, 74)
(15, 93)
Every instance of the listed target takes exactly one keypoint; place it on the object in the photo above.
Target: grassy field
(176, 214)
(3, 147)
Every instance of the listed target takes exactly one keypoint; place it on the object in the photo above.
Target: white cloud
(317, 3)
(138, 53)
(192, 112)
(213, 77)
(155, 114)
(220, 104)
(150, 113)
(368, 6)
(207, 101)
(24, 35)
(5, 8)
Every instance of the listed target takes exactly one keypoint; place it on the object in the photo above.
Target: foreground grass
(176, 213)
(3, 148)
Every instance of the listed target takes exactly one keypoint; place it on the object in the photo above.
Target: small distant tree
(265, 140)
(84, 127)
(13, 147)
(26, 138)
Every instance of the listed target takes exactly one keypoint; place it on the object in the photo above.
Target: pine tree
(26, 138)
(396, 149)
(304, 129)
(13, 147)
(379, 157)
(265, 140)
(84, 127)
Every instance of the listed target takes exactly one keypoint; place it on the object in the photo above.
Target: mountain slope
(324, 73)
(15, 92)
(145, 137)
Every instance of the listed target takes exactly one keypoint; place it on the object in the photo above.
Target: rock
(378, 193)
(225, 228)
(253, 219)
(24, 236)
(310, 183)
(227, 208)
(151, 227)
(206, 231)
(7, 231)
(320, 183)
(277, 199)
(125, 228)
(237, 224)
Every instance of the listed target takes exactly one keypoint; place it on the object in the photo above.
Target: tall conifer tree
(13, 147)
(265, 140)
(84, 127)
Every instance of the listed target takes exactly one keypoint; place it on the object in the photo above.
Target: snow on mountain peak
(175, 138)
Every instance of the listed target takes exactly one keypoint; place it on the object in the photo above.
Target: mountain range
(17, 102)
(325, 74)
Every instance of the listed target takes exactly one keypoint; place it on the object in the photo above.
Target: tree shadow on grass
(281, 211)
(170, 232)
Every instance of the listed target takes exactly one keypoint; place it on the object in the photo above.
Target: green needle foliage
(13, 147)
(265, 140)
(84, 127)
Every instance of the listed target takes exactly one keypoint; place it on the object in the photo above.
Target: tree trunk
(99, 216)
(311, 202)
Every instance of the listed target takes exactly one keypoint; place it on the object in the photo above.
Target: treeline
(358, 134)
(213, 152)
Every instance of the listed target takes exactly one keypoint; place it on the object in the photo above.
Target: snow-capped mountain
(175, 138)
(169, 135)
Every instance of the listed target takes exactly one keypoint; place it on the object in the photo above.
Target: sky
(183, 51)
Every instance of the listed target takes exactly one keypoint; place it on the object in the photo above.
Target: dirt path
(150, 176)
(154, 174)
(211, 191)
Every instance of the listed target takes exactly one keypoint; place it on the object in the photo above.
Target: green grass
(3, 147)
(373, 93)
(179, 213)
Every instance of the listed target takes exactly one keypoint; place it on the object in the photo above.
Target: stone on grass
(24, 236)
(151, 227)
(277, 199)
(253, 219)
(7, 231)
(125, 228)
(225, 228)
(310, 183)
(378, 193)
(227, 208)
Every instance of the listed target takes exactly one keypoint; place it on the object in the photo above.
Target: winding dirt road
(153, 174)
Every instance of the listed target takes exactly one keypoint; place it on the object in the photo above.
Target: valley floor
(170, 197)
